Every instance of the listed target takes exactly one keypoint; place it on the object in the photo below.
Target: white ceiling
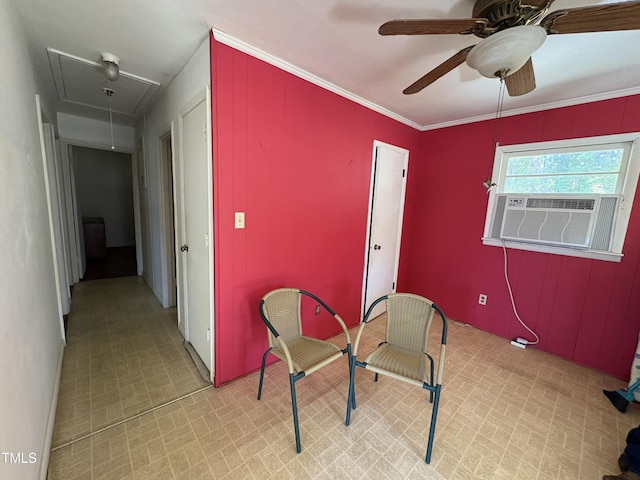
(334, 41)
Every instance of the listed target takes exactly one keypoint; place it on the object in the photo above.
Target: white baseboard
(48, 439)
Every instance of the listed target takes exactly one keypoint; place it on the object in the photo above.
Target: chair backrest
(281, 309)
(409, 318)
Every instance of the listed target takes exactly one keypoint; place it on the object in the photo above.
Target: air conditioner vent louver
(565, 203)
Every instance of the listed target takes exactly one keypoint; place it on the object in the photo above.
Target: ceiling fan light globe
(111, 71)
(505, 52)
(110, 67)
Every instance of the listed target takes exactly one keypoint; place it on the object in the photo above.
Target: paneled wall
(296, 159)
(587, 311)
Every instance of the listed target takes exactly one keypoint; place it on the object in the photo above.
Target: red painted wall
(587, 311)
(297, 159)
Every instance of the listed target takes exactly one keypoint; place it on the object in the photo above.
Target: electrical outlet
(482, 299)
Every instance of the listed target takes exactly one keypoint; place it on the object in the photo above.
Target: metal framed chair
(403, 354)
(280, 311)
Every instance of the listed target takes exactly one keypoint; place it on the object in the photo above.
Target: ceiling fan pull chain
(494, 142)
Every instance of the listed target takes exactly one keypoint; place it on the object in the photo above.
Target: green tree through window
(581, 172)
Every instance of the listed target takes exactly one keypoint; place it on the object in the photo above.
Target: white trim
(238, 44)
(147, 267)
(309, 77)
(181, 274)
(78, 272)
(569, 252)
(210, 216)
(74, 142)
(571, 142)
(571, 102)
(50, 207)
(137, 224)
(69, 199)
(48, 436)
(168, 131)
(367, 249)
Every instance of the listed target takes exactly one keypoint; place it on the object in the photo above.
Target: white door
(389, 174)
(196, 244)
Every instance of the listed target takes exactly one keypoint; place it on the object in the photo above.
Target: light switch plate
(239, 219)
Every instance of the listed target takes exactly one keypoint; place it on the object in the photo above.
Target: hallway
(124, 356)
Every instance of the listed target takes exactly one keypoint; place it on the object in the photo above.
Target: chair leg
(353, 394)
(432, 428)
(264, 360)
(431, 377)
(351, 399)
(294, 407)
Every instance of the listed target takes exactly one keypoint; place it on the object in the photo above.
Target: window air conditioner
(576, 222)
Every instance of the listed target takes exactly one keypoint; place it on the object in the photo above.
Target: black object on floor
(118, 262)
(617, 400)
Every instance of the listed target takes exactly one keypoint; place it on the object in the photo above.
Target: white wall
(30, 338)
(104, 189)
(93, 133)
(157, 121)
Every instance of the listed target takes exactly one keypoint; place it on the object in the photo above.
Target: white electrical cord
(513, 303)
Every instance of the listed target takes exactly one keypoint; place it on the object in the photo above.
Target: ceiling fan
(513, 29)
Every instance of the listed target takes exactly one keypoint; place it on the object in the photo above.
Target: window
(569, 197)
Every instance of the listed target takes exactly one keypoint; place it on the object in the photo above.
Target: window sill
(570, 252)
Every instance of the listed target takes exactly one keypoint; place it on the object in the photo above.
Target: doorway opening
(104, 195)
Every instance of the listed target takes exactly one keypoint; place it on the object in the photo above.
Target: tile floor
(505, 413)
(124, 355)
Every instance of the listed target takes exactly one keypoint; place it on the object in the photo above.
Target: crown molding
(244, 47)
(537, 108)
(310, 77)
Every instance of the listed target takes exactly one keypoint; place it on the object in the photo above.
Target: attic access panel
(81, 81)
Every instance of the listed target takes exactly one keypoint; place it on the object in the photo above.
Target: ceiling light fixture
(109, 92)
(110, 67)
(507, 51)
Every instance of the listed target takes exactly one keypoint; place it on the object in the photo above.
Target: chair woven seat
(398, 362)
(309, 354)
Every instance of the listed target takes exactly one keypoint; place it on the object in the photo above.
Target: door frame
(180, 224)
(72, 213)
(167, 183)
(367, 246)
(67, 147)
(45, 129)
(139, 179)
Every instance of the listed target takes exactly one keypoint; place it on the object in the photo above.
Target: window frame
(629, 173)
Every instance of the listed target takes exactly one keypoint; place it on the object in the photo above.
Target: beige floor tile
(505, 413)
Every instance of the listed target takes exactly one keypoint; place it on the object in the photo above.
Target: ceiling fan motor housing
(503, 14)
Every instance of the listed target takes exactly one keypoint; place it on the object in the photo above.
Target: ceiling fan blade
(442, 69)
(522, 81)
(434, 26)
(599, 18)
